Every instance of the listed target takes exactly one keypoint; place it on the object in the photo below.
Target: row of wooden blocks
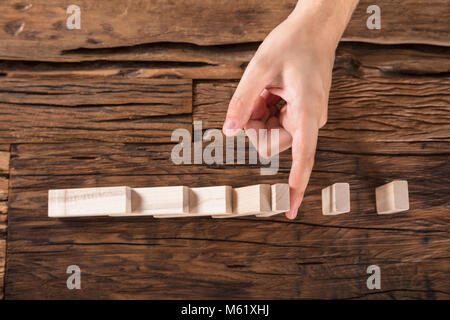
(392, 197)
(262, 200)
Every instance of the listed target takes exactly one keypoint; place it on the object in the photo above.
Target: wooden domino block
(89, 202)
(159, 201)
(280, 200)
(336, 199)
(250, 200)
(207, 201)
(392, 197)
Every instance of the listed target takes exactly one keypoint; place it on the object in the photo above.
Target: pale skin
(294, 63)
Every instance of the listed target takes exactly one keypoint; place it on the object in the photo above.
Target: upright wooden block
(392, 197)
(280, 200)
(89, 202)
(207, 201)
(159, 201)
(250, 200)
(336, 199)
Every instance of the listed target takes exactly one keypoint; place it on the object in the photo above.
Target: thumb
(244, 99)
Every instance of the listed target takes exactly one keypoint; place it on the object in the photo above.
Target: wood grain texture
(312, 257)
(368, 107)
(105, 109)
(86, 202)
(83, 104)
(4, 184)
(378, 94)
(175, 60)
(2, 266)
(38, 32)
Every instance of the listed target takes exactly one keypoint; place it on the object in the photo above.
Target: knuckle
(259, 62)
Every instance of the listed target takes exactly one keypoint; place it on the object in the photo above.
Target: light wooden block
(336, 199)
(89, 202)
(250, 200)
(159, 201)
(392, 197)
(207, 201)
(280, 200)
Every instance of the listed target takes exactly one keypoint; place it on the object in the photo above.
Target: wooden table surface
(97, 107)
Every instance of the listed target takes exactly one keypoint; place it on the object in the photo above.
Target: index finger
(303, 151)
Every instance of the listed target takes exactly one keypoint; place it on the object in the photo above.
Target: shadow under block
(250, 200)
(336, 199)
(207, 201)
(392, 197)
(280, 200)
(89, 202)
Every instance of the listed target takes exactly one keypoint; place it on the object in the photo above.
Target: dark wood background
(97, 106)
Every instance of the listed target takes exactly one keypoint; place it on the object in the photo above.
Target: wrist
(323, 20)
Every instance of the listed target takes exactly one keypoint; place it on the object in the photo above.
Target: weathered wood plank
(4, 159)
(3, 188)
(162, 60)
(312, 257)
(4, 185)
(225, 268)
(2, 266)
(368, 107)
(38, 32)
(96, 108)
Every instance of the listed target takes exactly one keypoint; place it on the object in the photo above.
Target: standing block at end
(336, 199)
(392, 197)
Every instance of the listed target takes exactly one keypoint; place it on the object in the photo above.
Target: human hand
(294, 63)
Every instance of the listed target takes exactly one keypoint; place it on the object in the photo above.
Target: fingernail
(230, 127)
(291, 215)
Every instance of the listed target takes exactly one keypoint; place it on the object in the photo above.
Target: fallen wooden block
(207, 201)
(87, 202)
(336, 199)
(392, 197)
(250, 200)
(170, 202)
(159, 201)
(280, 200)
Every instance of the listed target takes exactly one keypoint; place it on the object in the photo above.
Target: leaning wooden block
(159, 201)
(250, 200)
(207, 201)
(89, 202)
(280, 200)
(392, 197)
(336, 199)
